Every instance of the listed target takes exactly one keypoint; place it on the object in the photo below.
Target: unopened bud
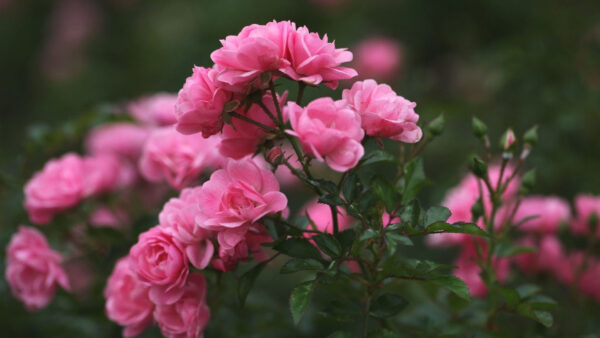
(531, 137)
(479, 128)
(508, 142)
(478, 167)
(436, 127)
(275, 155)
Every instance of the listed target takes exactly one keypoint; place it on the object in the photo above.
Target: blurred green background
(511, 63)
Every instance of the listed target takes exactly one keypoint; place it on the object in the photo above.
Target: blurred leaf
(459, 228)
(508, 249)
(326, 185)
(351, 187)
(295, 265)
(299, 248)
(393, 239)
(379, 156)
(414, 179)
(368, 234)
(527, 290)
(247, 280)
(387, 305)
(382, 333)
(436, 214)
(511, 297)
(453, 284)
(542, 317)
(331, 199)
(329, 244)
(346, 238)
(300, 298)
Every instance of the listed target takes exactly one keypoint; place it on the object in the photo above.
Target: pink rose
(549, 253)
(329, 131)
(101, 174)
(106, 217)
(241, 193)
(588, 283)
(57, 187)
(189, 316)
(154, 110)
(315, 60)
(177, 158)
(585, 207)
(242, 138)
(379, 58)
(383, 113)
(127, 300)
(320, 214)
(256, 49)
(200, 103)
(179, 214)
(549, 213)
(160, 260)
(237, 244)
(123, 139)
(33, 269)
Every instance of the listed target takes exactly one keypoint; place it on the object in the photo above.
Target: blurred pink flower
(122, 139)
(127, 300)
(379, 58)
(468, 270)
(550, 212)
(33, 269)
(154, 110)
(586, 206)
(329, 131)
(383, 113)
(320, 215)
(107, 217)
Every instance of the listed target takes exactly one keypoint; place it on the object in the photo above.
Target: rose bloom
(200, 103)
(179, 214)
(379, 58)
(461, 199)
(154, 110)
(189, 316)
(315, 60)
(160, 260)
(241, 193)
(57, 187)
(236, 244)
(127, 300)
(383, 113)
(549, 213)
(242, 138)
(256, 49)
(122, 139)
(549, 252)
(588, 283)
(33, 269)
(329, 131)
(585, 207)
(107, 217)
(177, 158)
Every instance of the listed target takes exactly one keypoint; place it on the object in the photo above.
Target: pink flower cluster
(216, 223)
(33, 269)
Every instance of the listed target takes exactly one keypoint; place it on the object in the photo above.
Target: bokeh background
(511, 63)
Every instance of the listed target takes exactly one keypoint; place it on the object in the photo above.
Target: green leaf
(295, 265)
(509, 250)
(301, 222)
(351, 187)
(393, 239)
(379, 156)
(338, 334)
(326, 185)
(331, 199)
(437, 214)
(299, 248)
(458, 228)
(346, 238)
(387, 305)
(414, 179)
(541, 302)
(385, 192)
(527, 290)
(300, 298)
(382, 333)
(453, 284)
(247, 280)
(411, 213)
(271, 228)
(511, 297)
(368, 234)
(542, 317)
(329, 244)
